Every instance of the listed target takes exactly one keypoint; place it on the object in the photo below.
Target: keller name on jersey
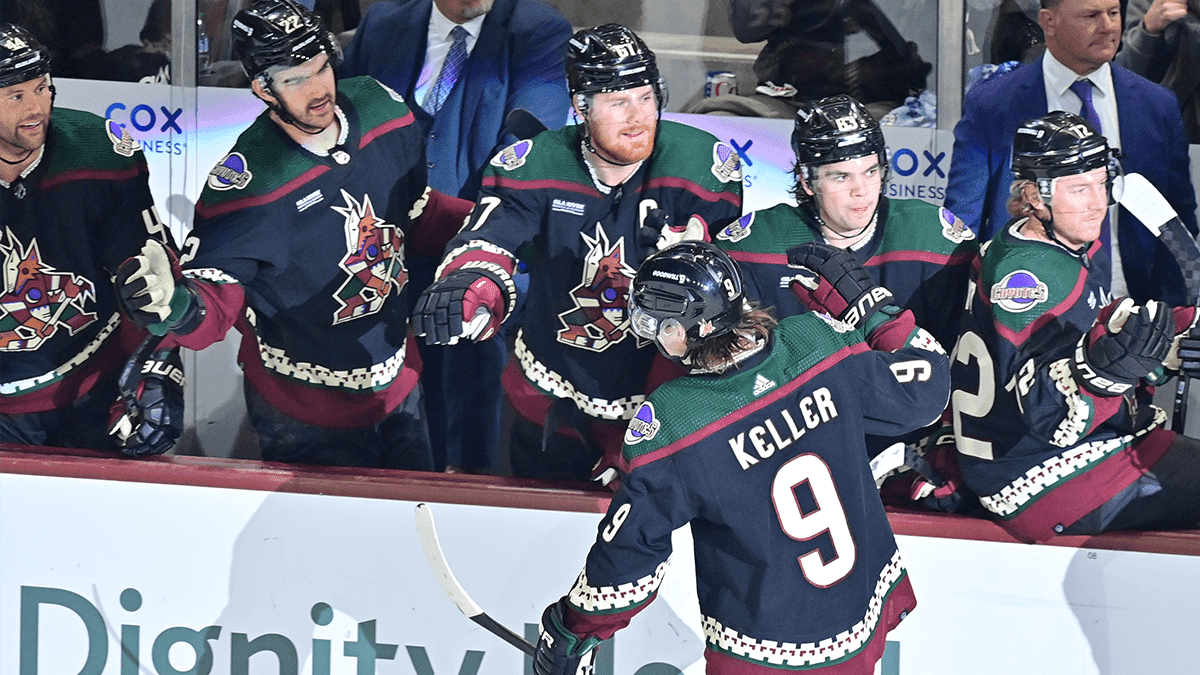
(782, 429)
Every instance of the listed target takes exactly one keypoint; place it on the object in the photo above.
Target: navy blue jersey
(796, 564)
(306, 255)
(575, 340)
(78, 212)
(1039, 449)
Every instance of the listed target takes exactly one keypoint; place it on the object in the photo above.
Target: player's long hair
(720, 353)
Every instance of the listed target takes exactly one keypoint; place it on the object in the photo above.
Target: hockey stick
(522, 124)
(1148, 205)
(437, 560)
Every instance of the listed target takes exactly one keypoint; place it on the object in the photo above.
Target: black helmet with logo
(280, 33)
(692, 285)
(1059, 144)
(611, 58)
(22, 57)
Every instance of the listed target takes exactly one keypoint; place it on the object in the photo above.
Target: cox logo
(905, 162)
(145, 118)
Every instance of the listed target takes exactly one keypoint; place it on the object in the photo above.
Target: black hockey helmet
(611, 58)
(280, 33)
(836, 129)
(692, 285)
(22, 57)
(1060, 144)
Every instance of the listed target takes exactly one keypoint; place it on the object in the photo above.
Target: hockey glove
(658, 232)
(559, 651)
(438, 315)
(1184, 356)
(1125, 344)
(148, 418)
(832, 281)
(152, 292)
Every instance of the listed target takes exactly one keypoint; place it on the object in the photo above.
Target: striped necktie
(451, 68)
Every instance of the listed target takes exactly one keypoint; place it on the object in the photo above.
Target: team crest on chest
(38, 300)
(738, 229)
(643, 426)
(374, 260)
(599, 318)
(230, 173)
(953, 228)
(1019, 291)
(514, 156)
(123, 143)
(726, 166)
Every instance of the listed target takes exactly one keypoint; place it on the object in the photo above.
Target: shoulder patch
(643, 426)
(514, 156)
(953, 228)
(123, 143)
(230, 173)
(726, 166)
(1019, 291)
(738, 229)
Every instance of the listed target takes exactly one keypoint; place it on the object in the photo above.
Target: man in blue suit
(1137, 116)
(511, 57)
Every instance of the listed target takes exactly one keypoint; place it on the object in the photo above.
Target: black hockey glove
(153, 293)
(831, 280)
(148, 418)
(1125, 344)
(439, 312)
(658, 232)
(559, 651)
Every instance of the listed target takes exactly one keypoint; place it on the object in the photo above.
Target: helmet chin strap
(1048, 226)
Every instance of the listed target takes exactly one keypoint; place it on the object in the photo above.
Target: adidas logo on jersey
(762, 385)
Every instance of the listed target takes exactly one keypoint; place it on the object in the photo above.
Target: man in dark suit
(511, 56)
(1137, 116)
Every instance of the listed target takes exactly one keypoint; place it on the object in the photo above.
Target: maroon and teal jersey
(75, 215)
(538, 197)
(1039, 449)
(305, 254)
(796, 564)
(921, 253)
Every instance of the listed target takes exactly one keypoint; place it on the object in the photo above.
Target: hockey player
(760, 449)
(75, 201)
(300, 239)
(591, 201)
(1052, 415)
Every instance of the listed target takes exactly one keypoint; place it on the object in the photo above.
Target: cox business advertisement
(102, 577)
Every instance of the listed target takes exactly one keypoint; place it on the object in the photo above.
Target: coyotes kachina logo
(374, 260)
(600, 318)
(37, 299)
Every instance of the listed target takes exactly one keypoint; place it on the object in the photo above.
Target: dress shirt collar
(1059, 78)
(440, 26)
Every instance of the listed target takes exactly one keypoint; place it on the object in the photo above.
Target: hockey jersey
(74, 216)
(922, 254)
(796, 564)
(575, 340)
(305, 255)
(1039, 449)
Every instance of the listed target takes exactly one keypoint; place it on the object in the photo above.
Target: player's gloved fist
(146, 284)
(559, 651)
(440, 311)
(831, 280)
(1126, 343)
(148, 418)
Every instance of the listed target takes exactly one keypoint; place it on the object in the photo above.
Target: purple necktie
(1083, 89)
(451, 68)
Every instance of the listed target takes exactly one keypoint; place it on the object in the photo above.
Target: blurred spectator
(1137, 116)
(509, 57)
(1162, 44)
(69, 29)
(149, 62)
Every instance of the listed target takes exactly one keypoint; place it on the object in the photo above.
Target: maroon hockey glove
(1125, 344)
(831, 280)
(559, 651)
(440, 311)
(148, 418)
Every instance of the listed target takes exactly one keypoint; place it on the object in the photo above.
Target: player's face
(623, 124)
(462, 11)
(24, 116)
(848, 193)
(1079, 205)
(308, 91)
(1082, 34)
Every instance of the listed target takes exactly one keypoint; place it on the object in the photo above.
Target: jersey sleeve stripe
(764, 258)
(545, 184)
(694, 188)
(628, 465)
(382, 129)
(248, 202)
(955, 259)
(94, 174)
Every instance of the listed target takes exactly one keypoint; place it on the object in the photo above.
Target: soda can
(720, 83)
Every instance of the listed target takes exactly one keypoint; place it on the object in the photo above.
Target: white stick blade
(437, 561)
(1145, 202)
